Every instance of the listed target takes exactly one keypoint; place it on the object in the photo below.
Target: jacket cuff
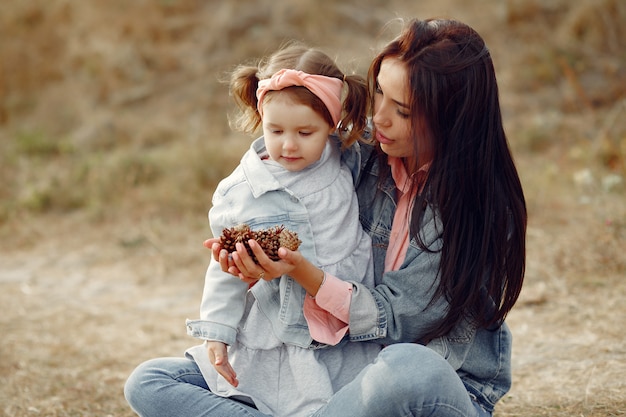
(208, 330)
(334, 296)
(367, 316)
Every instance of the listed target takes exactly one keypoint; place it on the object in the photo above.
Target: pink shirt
(328, 314)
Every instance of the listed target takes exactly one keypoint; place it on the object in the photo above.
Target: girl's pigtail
(244, 82)
(355, 110)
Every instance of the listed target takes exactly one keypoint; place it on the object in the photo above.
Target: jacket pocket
(292, 299)
(455, 345)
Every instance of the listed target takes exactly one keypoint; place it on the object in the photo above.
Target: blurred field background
(114, 131)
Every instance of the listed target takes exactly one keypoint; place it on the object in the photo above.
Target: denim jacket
(319, 204)
(398, 309)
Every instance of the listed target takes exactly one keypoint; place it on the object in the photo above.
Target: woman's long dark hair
(472, 181)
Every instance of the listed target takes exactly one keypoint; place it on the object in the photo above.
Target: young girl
(258, 348)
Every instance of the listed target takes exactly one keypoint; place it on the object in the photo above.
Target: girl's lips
(382, 138)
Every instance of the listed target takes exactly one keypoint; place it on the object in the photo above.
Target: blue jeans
(166, 387)
(405, 380)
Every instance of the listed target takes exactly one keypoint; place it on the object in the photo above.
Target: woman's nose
(380, 117)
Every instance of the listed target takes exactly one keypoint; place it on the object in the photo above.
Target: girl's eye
(306, 133)
(276, 131)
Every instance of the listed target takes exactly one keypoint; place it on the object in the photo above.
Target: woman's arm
(399, 309)
(327, 310)
(291, 263)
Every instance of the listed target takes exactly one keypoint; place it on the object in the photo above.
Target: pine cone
(237, 234)
(288, 239)
(270, 239)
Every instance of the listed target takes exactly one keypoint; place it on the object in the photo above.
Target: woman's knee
(155, 373)
(408, 355)
(134, 388)
(415, 367)
(145, 380)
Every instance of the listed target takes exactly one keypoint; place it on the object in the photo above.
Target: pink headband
(328, 89)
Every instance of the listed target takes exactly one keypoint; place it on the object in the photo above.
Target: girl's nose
(289, 143)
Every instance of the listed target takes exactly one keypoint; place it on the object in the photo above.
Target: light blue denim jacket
(319, 204)
(398, 309)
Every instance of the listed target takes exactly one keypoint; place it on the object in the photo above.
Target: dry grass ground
(113, 132)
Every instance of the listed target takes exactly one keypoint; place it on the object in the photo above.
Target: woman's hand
(291, 262)
(218, 355)
(241, 264)
(264, 268)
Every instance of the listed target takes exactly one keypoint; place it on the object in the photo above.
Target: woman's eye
(377, 89)
(403, 114)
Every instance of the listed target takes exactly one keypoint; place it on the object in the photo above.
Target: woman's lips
(383, 139)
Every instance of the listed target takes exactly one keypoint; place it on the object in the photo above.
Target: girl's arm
(218, 355)
(222, 306)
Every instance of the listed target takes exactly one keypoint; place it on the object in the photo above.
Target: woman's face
(295, 135)
(392, 119)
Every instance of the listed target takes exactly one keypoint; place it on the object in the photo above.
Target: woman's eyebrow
(401, 104)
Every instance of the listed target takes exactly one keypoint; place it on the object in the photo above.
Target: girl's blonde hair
(244, 82)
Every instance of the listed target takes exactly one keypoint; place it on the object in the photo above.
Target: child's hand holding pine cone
(270, 239)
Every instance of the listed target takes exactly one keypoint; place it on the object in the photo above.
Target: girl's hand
(213, 244)
(226, 262)
(218, 355)
(221, 255)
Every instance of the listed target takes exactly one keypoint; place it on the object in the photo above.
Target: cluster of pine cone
(270, 239)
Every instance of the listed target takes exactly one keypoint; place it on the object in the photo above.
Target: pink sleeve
(328, 314)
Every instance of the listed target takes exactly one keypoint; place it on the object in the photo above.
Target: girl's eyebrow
(309, 126)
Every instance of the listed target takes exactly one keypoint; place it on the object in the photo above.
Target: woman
(441, 198)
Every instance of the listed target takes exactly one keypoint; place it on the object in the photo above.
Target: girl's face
(295, 135)
(392, 119)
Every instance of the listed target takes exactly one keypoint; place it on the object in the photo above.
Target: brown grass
(113, 131)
